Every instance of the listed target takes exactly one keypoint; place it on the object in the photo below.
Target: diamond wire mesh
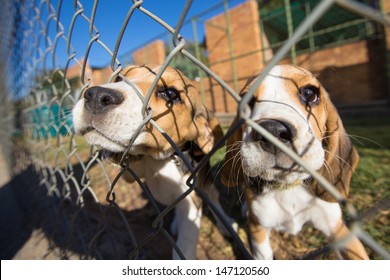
(76, 217)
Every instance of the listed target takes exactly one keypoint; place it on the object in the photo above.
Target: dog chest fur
(288, 210)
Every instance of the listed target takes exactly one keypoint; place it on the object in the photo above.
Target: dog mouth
(90, 129)
(257, 184)
(87, 130)
(276, 177)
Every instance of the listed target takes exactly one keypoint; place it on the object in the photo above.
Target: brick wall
(246, 46)
(353, 73)
(98, 76)
(151, 53)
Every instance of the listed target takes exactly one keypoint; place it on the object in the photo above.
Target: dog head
(108, 116)
(294, 107)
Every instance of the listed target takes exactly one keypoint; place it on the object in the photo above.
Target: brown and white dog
(294, 107)
(109, 115)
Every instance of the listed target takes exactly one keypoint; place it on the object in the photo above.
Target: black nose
(99, 99)
(279, 129)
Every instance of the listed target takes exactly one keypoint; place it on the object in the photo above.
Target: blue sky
(141, 29)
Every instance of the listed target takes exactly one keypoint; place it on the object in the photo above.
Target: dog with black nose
(110, 115)
(294, 107)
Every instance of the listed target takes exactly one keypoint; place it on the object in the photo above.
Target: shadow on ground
(92, 231)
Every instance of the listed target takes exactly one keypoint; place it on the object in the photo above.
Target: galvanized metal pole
(230, 42)
(197, 55)
(311, 34)
(262, 34)
(290, 29)
(386, 50)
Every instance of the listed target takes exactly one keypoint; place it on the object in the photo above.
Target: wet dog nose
(279, 129)
(99, 99)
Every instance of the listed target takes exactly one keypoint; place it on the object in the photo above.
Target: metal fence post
(290, 28)
(198, 56)
(386, 49)
(230, 41)
(311, 35)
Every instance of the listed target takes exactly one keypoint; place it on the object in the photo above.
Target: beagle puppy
(293, 106)
(108, 116)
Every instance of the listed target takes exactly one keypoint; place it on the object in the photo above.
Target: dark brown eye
(309, 95)
(171, 95)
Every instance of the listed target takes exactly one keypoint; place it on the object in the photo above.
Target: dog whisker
(357, 137)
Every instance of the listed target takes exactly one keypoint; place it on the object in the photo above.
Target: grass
(371, 182)
(372, 177)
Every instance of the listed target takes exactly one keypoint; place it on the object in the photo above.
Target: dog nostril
(277, 128)
(99, 99)
(258, 137)
(107, 100)
(88, 94)
(285, 136)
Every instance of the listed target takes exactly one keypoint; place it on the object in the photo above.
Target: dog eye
(309, 95)
(170, 95)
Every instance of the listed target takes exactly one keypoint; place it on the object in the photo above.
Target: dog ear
(341, 158)
(209, 130)
(231, 171)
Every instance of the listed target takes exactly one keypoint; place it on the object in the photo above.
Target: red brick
(151, 53)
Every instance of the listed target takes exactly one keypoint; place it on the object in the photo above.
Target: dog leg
(353, 248)
(327, 217)
(260, 243)
(188, 214)
(259, 236)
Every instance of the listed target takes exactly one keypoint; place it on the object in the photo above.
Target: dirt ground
(39, 229)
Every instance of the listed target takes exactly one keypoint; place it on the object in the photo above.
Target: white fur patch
(113, 129)
(288, 210)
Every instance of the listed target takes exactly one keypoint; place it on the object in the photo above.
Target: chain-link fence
(77, 198)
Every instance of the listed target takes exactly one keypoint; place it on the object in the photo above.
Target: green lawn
(372, 139)
(370, 188)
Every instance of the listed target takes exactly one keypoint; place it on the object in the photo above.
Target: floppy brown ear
(209, 130)
(341, 158)
(231, 171)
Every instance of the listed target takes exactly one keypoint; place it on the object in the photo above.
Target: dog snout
(279, 129)
(99, 99)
